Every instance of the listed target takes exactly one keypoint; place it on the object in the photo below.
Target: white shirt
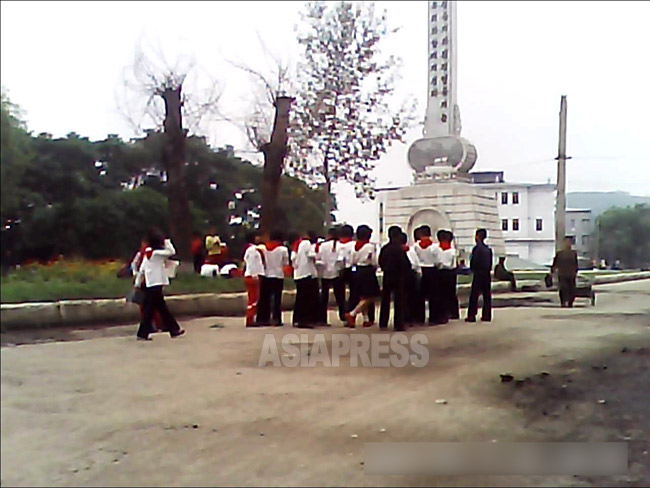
(346, 253)
(447, 259)
(366, 256)
(152, 270)
(276, 260)
(327, 258)
(428, 257)
(415, 261)
(304, 261)
(253, 262)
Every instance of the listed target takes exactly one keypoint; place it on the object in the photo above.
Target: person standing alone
(481, 266)
(153, 275)
(566, 265)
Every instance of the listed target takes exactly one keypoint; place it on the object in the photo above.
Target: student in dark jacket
(481, 265)
(396, 266)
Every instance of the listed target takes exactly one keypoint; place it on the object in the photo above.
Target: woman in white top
(305, 275)
(365, 259)
(276, 258)
(329, 256)
(253, 270)
(153, 275)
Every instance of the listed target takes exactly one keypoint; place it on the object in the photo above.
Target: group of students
(346, 263)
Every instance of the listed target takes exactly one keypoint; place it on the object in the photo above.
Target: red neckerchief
(345, 240)
(148, 253)
(271, 245)
(425, 242)
(405, 247)
(444, 245)
(359, 244)
(317, 246)
(258, 252)
(295, 245)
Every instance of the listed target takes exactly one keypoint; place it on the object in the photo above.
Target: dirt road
(95, 407)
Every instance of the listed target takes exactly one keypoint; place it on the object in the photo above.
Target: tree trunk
(274, 154)
(328, 201)
(173, 158)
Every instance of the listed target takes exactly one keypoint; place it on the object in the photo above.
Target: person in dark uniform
(414, 307)
(502, 274)
(566, 265)
(481, 265)
(396, 266)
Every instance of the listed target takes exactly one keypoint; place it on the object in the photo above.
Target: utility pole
(560, 205)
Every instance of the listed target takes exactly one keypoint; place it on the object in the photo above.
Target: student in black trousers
(427, 253)
(481, 265)
(305, 275)
(276, 257)
(396, 266)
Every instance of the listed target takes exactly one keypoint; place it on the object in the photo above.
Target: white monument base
(458, 206)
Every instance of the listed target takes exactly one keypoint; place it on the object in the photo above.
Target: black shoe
(471, 320)
(304, 326)
(177, 334)
(253, 325)
(400, 329)
(486, 320)
(278, 324)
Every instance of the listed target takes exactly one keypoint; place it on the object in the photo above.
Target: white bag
(170, 268)
(210, 270)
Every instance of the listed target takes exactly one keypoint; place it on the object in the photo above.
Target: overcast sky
(63, 63)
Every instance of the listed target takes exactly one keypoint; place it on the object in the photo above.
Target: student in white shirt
(328, 255)
(303, 259)
(427, 253)
(276, 257)
(346, 252)
(447, 277)
(365, 258)
(153, 275)
(253, 271)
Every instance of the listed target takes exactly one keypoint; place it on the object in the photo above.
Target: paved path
(102, 409)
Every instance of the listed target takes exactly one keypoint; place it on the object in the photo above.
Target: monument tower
(442, 153)
(442, 195)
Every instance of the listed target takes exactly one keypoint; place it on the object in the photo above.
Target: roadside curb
(86, 312)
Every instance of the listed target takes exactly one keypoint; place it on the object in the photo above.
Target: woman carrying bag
(154, 275)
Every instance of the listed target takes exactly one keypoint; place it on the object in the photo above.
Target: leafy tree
(345, 116)
(624, 234)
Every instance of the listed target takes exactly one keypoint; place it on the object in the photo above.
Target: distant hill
(598, 202)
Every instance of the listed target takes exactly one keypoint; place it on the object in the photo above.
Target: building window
(586, 221)
(585, 240)
(434, 17)
(381, 217)
(539, 224)
(504, 198)
(504, 224)
(434, 67)
(515, 198)
(572, 224)
(515, 224)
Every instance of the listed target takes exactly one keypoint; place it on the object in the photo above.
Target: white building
(527, 215)
(580, 227)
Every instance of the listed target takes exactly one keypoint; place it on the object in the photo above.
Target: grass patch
(69, 280)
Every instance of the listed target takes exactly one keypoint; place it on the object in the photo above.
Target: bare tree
(156, 93)
(266, 126)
